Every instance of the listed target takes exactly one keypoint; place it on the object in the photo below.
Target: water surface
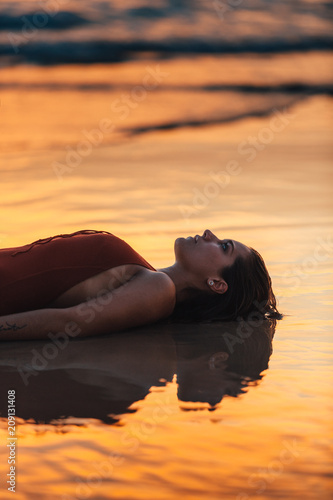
(232, 135)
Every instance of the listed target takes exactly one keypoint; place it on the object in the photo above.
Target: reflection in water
(102, 377)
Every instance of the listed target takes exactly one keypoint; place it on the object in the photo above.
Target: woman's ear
(218, 285)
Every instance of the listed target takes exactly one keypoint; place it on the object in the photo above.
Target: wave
(285, 88)
(109, 31)
(63, 20)
(205, 122)
(45, 53)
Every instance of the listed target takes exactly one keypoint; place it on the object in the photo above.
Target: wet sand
(273, 194)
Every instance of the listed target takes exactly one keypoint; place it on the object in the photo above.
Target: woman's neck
(181, 280)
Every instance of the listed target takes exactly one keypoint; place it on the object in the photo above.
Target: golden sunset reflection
(237, 142)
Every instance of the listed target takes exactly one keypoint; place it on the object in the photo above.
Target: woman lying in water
(91, 282)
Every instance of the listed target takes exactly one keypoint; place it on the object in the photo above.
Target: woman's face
(207, 255)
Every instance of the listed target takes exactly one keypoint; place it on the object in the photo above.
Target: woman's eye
(224, 246)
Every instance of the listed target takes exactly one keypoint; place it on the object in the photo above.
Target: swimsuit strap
(46, 240)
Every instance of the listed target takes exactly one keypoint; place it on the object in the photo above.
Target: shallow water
(162, 413)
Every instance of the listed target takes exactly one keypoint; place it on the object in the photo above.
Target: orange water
(272, 441)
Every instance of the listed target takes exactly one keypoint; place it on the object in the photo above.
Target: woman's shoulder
(160, 288)
(158, 280)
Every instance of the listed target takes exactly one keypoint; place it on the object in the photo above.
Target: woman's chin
(179, 240)
(179, 245)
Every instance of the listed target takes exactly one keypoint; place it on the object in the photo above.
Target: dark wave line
(173, 125)
(126, 134)
(62, 20)
(285, 88)
(96, 51)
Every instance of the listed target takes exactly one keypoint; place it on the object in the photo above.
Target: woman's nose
(208, 235)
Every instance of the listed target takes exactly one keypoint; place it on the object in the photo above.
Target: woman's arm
(32, 324)
(148, 297)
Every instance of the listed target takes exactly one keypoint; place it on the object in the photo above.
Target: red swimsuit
(34, 275)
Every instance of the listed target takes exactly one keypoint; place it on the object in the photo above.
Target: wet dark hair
(248, 346)
(249, 293)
